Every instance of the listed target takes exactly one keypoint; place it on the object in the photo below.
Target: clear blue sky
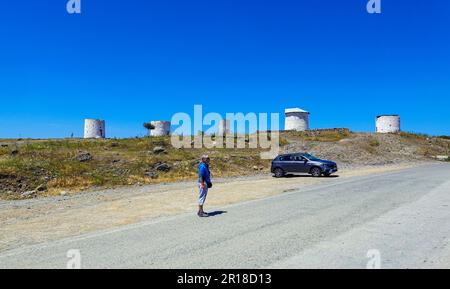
(134, 61)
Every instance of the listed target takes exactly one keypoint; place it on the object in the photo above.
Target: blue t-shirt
(203, 173)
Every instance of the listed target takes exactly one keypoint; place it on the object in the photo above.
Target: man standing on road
(204, 183)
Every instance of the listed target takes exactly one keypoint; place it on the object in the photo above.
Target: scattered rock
(41, 188)
(63, 193)
(163, 167)
(159, 166)
(28, 194)
(178, 164)
(159, 150)
(14, 152)
(151, 174)
(258, 168)
(84, 157)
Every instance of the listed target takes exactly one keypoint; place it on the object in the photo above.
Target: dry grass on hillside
(55, 164)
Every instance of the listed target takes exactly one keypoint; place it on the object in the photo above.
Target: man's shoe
(202, 214)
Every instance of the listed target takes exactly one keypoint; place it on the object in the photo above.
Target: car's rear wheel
(278, 173)
(316, 172)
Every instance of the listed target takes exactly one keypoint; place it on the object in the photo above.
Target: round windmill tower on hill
(296, 119)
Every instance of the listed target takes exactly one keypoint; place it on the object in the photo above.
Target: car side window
(285, 158)
(299, 158)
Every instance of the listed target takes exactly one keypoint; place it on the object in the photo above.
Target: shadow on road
(216, 213)
(309, 176)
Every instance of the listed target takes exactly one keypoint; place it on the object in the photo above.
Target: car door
(287, 163)
(300, 164)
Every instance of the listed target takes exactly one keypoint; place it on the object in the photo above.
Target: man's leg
(201, 199)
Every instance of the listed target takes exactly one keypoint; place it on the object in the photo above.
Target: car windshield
(311, 157)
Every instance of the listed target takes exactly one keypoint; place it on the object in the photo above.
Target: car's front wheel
(316, 172)
(278, 173)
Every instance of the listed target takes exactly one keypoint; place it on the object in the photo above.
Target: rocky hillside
(356, 149)
(29, 168)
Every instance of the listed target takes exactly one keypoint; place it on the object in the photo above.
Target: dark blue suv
(302, 163)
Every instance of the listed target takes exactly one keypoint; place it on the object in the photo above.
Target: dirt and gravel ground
(33, 221)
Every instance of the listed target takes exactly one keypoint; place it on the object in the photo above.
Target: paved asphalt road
(401, 217)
